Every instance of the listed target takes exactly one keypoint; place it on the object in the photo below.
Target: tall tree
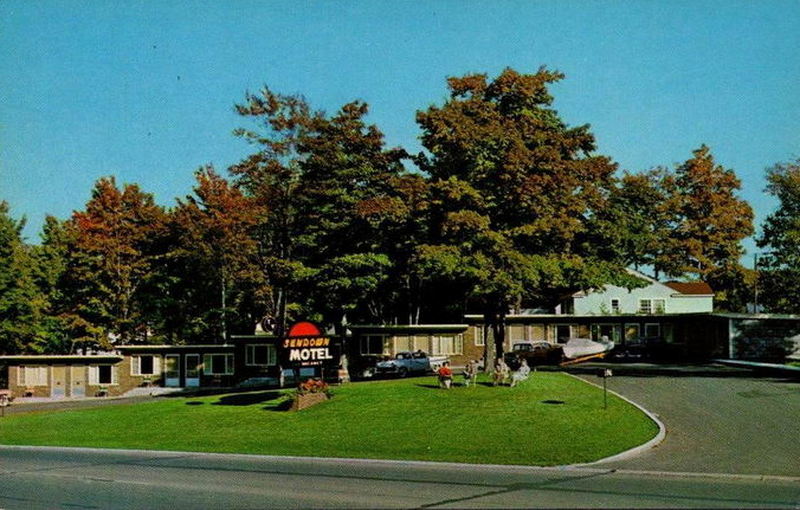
(21, 303)
(637, 220)
(313, 173)
(216, 229)
(532, 186)
(712, 220)
(51, 258)
(780, 265)
(114, 254)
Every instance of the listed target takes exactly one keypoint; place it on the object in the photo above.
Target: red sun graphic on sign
(303, 329)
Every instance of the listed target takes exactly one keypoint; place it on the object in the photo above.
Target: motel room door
(192, 370)
(58, 389)
(77, 381)
(172, 370)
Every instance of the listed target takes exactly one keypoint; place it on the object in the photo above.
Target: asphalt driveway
(718, 421)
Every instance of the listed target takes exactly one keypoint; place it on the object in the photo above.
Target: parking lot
(718, 420)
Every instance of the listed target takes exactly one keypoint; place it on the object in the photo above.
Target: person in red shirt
(445, 375)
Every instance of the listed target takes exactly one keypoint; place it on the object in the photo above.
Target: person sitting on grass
(445, 375)
(520, 374)
(500, 372)
(470, 373)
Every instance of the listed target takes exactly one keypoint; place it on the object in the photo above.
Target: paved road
(718, 422)
(66, 478)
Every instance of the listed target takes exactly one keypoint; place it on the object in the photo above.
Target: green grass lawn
(549, 419)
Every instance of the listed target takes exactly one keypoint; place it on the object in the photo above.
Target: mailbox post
(605, 373)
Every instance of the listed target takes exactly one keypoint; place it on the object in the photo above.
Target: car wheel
(402, 372)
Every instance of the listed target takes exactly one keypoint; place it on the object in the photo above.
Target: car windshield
(522, 347)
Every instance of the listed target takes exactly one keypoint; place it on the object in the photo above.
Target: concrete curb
(636, 450)
(339, 461)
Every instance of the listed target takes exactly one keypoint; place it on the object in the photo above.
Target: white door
(59, 388)
(78, 381)
(192, 370)
(172, 370)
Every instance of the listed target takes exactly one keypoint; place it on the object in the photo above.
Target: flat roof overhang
(176, 348)
(62, 358)
(412, 328)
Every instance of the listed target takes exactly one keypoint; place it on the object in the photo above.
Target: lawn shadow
(248, 399)
(553, 402)
(429, 386)
(280, 407)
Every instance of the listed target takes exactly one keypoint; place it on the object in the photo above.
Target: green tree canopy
(780, 237)
(115, 249)
(518, 191)
(313, 174)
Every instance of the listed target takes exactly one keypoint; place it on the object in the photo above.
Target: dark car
(535, 353)
(641, 348)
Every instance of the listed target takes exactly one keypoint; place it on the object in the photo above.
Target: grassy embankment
(549, 419)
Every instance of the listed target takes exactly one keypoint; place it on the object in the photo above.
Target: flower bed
(310, 393)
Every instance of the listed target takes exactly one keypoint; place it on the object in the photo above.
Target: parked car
(535, 353)
(407, 363)
(641, 348)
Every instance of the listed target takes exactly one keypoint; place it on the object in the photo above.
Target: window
(261, 355)
(563, 332)
(102, 374)
(631, 333)
(651, 306)
(615, 308)
(605, 332)
(422, 343)
(447, 345)
(515, 333)
(403, 343)
(372, 344)
(32, 376)
(218, 364)
(145, 365)
(652, 330)
(479, 339)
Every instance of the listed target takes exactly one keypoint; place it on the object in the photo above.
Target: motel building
(670, 321)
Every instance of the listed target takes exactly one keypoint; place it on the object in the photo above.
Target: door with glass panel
(172, 370)
(192, 370)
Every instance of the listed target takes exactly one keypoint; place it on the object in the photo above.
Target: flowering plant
(313, 386)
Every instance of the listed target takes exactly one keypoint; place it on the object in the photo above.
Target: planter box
(309, 399)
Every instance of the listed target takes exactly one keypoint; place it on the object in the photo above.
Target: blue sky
(145, 90)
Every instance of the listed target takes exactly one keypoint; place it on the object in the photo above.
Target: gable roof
(691, 288)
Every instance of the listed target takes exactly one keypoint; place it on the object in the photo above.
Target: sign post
(605, 373)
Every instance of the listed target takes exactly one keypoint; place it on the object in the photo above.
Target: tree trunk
(224, 315)
(488, 340)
